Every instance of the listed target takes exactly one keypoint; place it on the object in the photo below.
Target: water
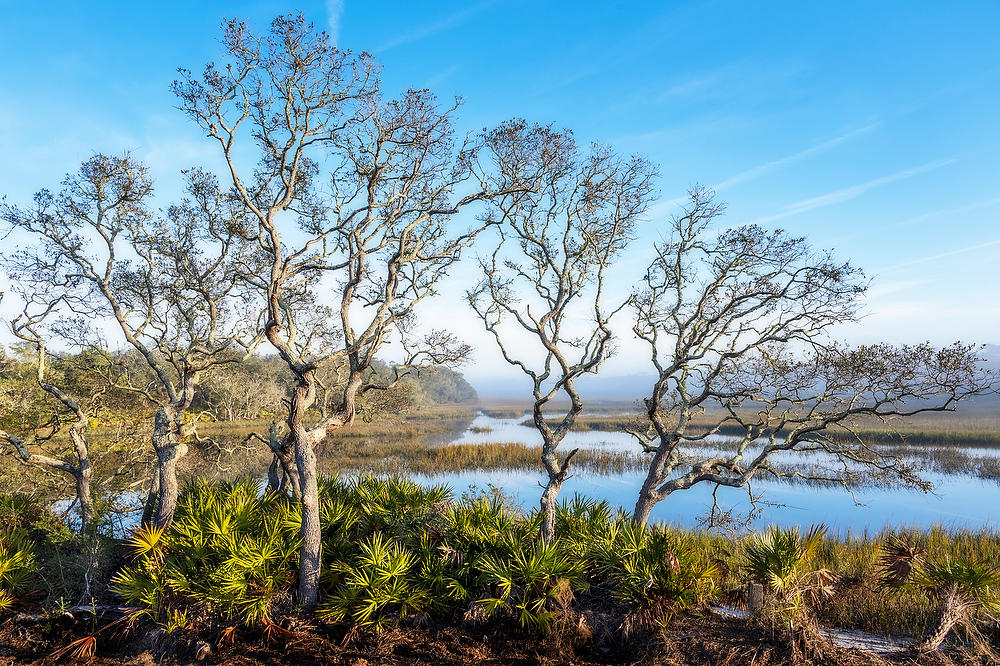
(495, 430)
(957, 501)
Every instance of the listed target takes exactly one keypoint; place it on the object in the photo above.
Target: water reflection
(488, 430)
(957, 501)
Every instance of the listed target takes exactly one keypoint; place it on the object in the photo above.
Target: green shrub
(41, 555)
(17, 568)
(377, 587)
(392, 505)
(780, 559)
(586, 529)
(229, 549)
(395, 551)
(650, 566)
(529, 582)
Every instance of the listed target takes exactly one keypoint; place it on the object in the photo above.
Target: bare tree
(737, 323)
(557, 241)
(351, 253)
(27, 327)
(166, 283)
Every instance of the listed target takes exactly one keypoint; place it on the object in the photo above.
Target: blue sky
(871, 128)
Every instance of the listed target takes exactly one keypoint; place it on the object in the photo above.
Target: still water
(956, 501)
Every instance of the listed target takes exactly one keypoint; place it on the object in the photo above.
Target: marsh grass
(980, 431)
(417, 441)
(860, 604)
(412, 455)
(939, 442)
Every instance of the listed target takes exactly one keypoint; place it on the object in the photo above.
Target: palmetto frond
(146, 541)
(651, 567)
(898, 560)
(527, 581)
(82, 649)
(17, 567)
(229, 548)
(377, 587)
(140, 586)
(976, 582)
(777, 557)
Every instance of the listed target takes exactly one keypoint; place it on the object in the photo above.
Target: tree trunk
(80, 472)
(273, 480)
(648, 496)
(310, 553)
(168, 451)
(555, 469)
(953, 609)
(152, 498)
(548, 502)
(83, 496)
(82, 475)
(282, 474)
(290, 480)
(557, 474)
(312, 542)
(643, 506)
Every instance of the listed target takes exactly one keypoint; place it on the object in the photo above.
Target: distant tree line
(255, 389)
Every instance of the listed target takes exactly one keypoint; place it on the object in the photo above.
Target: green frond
(6, 601)
(146, 540)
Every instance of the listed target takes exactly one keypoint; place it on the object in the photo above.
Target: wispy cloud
(735, 80)
(664, 208)
(669, 205)
(881, 290)
(942, 255)
(757, 171)
(334, 8)
(441, 76)
(428, 29)
(848, 193)
(909, 222)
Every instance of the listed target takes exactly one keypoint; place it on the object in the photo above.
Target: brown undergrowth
(690, 639)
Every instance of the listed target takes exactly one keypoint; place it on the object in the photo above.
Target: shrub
(586, 528)
(392, 505)
(648, 566)
(229, 549)
(779, 559)
(967, 594)
(530, 582)
(378, 587)
(17, 566)
(47, 558)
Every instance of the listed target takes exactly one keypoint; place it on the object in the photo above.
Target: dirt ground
(708, 639)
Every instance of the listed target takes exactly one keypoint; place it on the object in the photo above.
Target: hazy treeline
(257, 388)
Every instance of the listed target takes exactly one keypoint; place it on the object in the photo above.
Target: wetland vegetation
(228, 436)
